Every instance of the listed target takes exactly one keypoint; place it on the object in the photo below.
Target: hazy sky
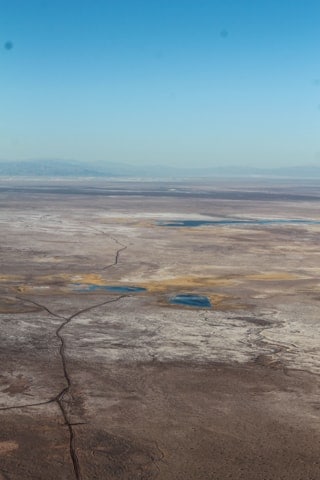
(200, 82)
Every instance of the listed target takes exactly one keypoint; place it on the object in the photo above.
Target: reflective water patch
(191, 300)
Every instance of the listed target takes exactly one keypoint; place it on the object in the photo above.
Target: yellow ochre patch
(185, 282)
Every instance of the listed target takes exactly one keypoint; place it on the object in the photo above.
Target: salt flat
(97, 384)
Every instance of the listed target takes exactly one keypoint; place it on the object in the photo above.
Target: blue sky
(201, 82)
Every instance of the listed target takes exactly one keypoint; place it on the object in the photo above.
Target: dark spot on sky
(224, 33)
(8, 45)
(317, 82)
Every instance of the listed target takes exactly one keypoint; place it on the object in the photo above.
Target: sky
(172, 82)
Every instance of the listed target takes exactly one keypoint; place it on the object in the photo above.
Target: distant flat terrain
(105, 375)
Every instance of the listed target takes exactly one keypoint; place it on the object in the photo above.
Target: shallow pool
(108, 288)
(199, 223)
(191, 300)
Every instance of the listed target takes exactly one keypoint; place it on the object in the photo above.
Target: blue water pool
(191, 300)
(199, 223)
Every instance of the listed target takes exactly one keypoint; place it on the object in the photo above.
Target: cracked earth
(121, 383)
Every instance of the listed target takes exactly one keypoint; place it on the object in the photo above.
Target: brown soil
(174, 421)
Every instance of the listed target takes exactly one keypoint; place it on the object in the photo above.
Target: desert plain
(104, 377)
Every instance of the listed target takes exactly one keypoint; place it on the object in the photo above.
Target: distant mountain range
(68, 168)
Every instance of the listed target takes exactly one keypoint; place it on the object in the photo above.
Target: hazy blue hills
(48, 168)
(68, 168)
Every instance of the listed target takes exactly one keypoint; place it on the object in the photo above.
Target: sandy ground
(107, 385)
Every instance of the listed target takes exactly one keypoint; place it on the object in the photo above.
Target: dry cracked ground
(120, 383)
